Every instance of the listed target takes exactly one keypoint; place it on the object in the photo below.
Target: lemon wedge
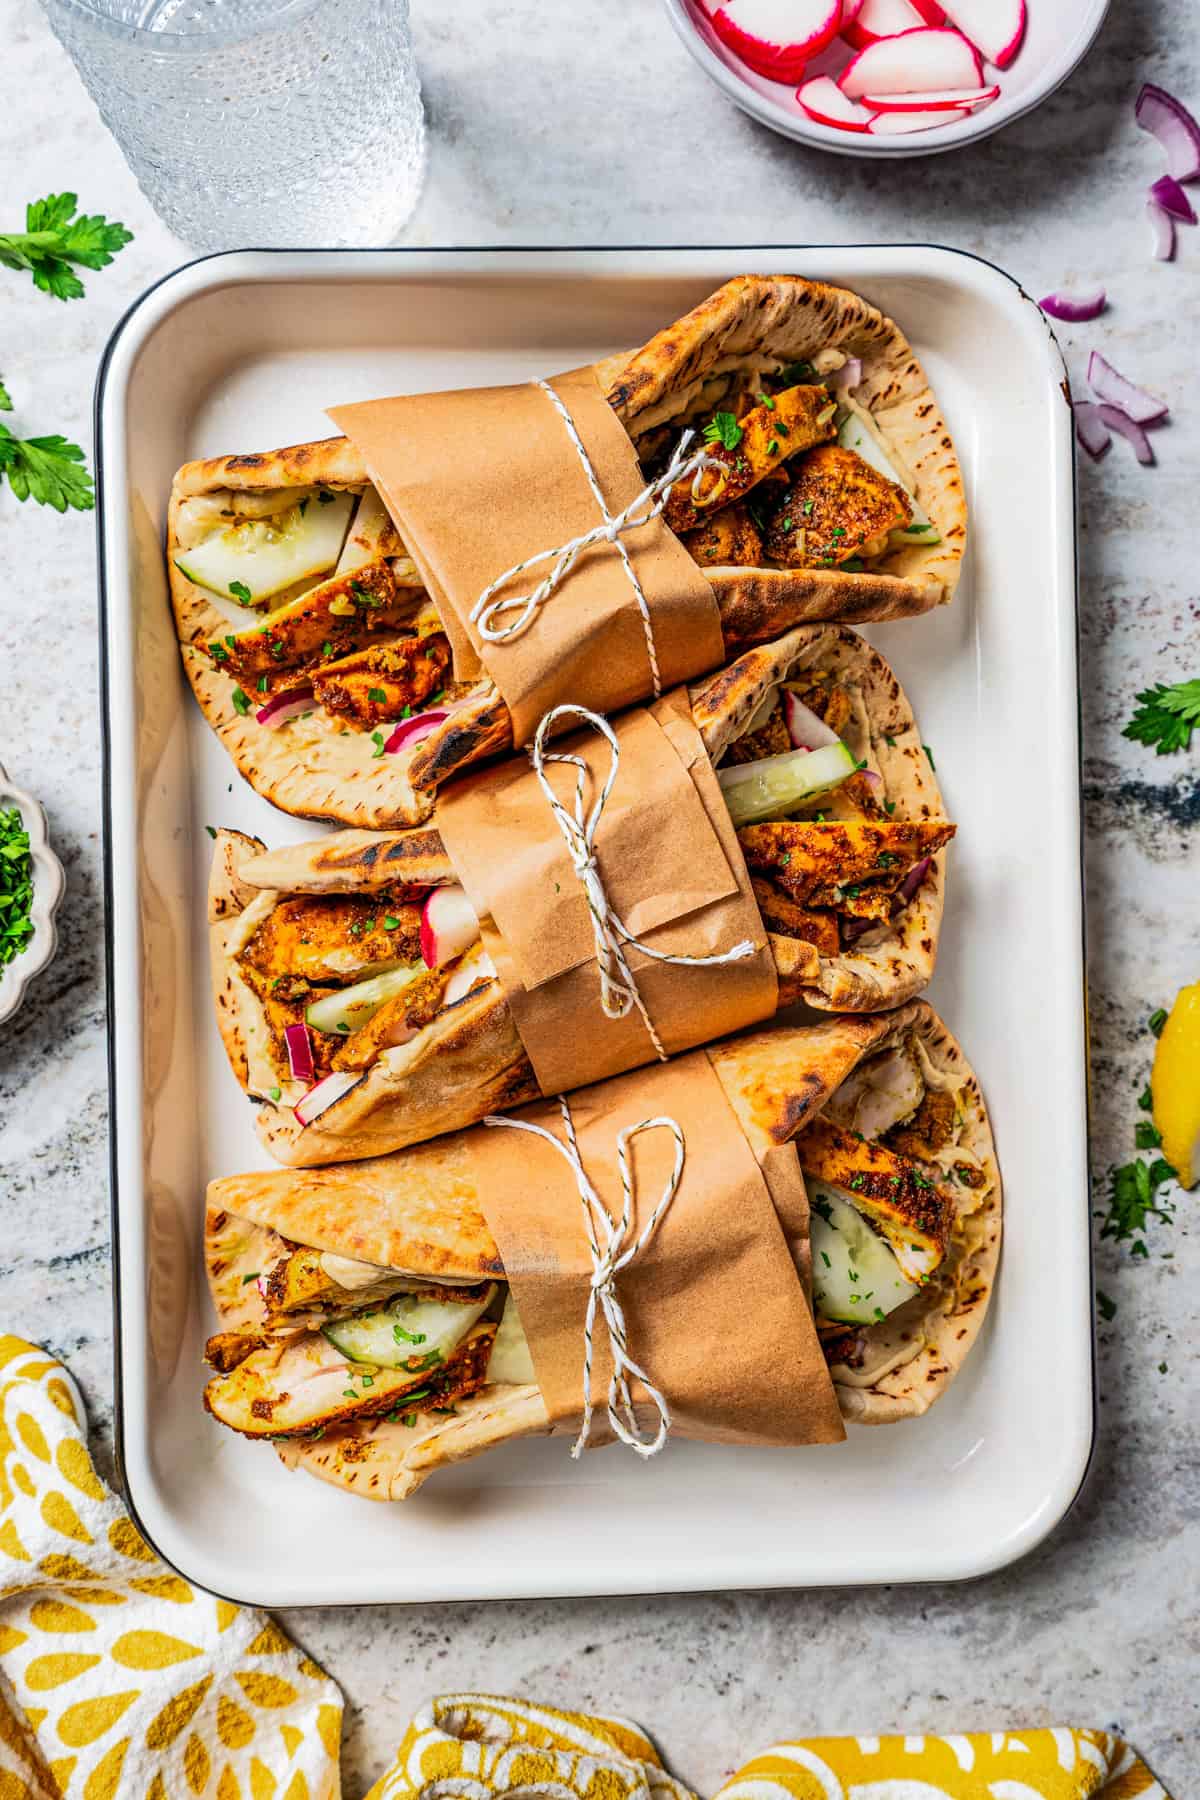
(1175, 1086)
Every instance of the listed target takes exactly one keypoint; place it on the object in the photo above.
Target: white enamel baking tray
(243, 352)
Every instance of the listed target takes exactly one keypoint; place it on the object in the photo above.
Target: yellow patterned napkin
(118, 1679)
(476, 1747)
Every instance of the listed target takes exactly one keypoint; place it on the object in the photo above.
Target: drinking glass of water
(252, 123)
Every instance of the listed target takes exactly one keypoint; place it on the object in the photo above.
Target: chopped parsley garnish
(326, 648)
(367, 1380)
(1157, 1020)
(929, 754)
(889, 807)
(1146, 1135)
(1134, 1198)
(212, 832)
(723, 429)
(767, 400)
(854, 565)
(253, 1276)
(240, 592)
(1146, 1098)
(808, 506)
(1166, 716)
(1107, 1307)
(377, 696)
(797, 374)
(407, 1337)
(890, 741)
(261, 684)
(885, 859)
(275, 1094)
(364, 595)
(773, 447)
(377, 740)
(240, 702)
(417, 1365)
(390, 922)
(409, 1419)
(218, 652)
(782, 429)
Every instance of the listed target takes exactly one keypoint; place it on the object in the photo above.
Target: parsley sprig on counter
(16, 886)
(1166, 716)
(1134, 1188)
(58, 238)
(49, 470)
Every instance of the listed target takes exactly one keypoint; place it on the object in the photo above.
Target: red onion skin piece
(1071, 309)
(414, 730)
(299, 1049)
(1163, 226)
(285, 706)
(1091, 432)
(1169, 120)
(1125, 427)
(853, 929)
(1109, 384)
(1171, 196)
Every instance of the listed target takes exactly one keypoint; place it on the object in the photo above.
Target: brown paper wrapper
(672, 869)
(478, 481)
(715, 1310)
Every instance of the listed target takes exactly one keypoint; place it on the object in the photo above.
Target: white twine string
(606, 1236)
(618, 988)
(489, 613)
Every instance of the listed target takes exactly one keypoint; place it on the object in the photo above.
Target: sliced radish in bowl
(877, 19)
(948, 100)
(916, 62)
(449, 925)
(995, 27)
(901, 124)
(824, 101)
(775, 38)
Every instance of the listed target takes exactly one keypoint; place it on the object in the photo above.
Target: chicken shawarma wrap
(352, 990)
(831, 490)
(366, 1328)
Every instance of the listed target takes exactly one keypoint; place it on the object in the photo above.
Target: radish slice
(1125, 427)
(807, 730)
(1109, 384)
(288, 705)
(414, 730)
(449, 925)
(299, 1052)
(320, 1098)
(475, 966)
(851, 10)
(1075, 309)
(877, 19)
(995, 27)
(1163, 226)
(900, 124)
(1091, 431)
(1167, 193)
(824, 101)
(775, 38)
(948, 100)
(916, 62)
(1169, 120)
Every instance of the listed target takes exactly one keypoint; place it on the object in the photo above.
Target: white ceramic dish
(48, 884)
(242, 352)
(1059, 35)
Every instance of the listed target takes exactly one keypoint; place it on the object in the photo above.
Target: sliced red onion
(1125, 427)
(913, 880)
(848, 376)
(1169, 120)
(871, 778)
(320, 1098)
(1090, 430)
(852, 929)
(1163, 226)
(299, 1049)
(412, 731)
(1109, 384)
(807, 730)
(287, 705)
(1075, 309)
(1167, 193)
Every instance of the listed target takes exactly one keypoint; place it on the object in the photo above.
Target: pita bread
(315, 768)
(416, 1211)
(469, 1060)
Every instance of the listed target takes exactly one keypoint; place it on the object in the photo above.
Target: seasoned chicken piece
(929, 1130)
(299, 1384)
(771, 739)
(396, 1021)
(818, 863)
(227, 1349)
(782, 916)
(794, 420)
(333, 939)
(326, 623)
(836, 505)
(729, 538)
(914, 1214)
(879, 1093)
(305, 1280)
(383, 682)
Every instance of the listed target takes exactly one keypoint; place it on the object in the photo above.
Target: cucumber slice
(856, 1277)
(854, 435)
(264, 556)
(510, 1360)
(345, 1011)
(408, 1331)
(778, 784)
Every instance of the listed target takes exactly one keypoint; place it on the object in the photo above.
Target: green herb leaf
(275, 1094)
(240, 592)
(212, 832)
(1146, 1098)
(1146, 1135)
(6, 404)
(240, 702)
(54, 238)
(1166, 716)
(253, 1276)
(1134, 1199)
(46, 469)
(1157, 1020)
(16, 887)
(796, 374)
(1107, 1308)
(377, 740)
(723, 429)
(929, 754)
(377, 696)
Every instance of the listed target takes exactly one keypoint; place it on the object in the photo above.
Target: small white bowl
(1059, 35)
(48, 883)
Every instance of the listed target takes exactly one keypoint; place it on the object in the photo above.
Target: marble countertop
(1100, 1625)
